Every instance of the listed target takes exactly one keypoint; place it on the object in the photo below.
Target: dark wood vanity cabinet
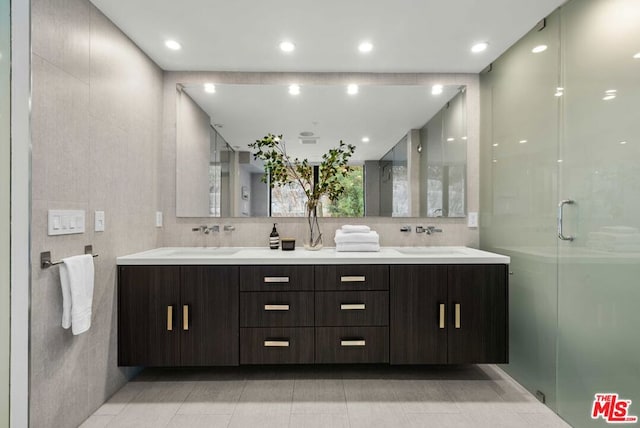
(328, 314)
(276, 315)
(177, 316)
(454, 314)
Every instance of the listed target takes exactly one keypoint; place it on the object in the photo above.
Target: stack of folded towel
(357, 238)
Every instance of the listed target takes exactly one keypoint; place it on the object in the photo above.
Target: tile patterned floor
(324, 397)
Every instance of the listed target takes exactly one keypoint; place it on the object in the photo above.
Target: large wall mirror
(410, 157)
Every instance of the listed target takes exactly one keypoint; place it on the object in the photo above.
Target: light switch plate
(66, 222)
(99, 221)
(472, 219)
(158, 218)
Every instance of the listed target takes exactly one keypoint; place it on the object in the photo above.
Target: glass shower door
(599, 271)
(520, 114)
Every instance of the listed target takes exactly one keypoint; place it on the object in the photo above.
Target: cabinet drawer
(270, 278)
(352, 345)
(352, 277)
(276, 309)
(352, 308)
(276, 345)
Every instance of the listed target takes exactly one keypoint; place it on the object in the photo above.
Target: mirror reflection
(410, 157)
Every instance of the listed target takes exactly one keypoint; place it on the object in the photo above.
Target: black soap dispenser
(274, 238)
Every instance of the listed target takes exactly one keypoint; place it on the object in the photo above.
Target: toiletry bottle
(274, 238)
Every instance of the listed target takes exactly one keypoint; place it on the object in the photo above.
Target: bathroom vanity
(230, 306)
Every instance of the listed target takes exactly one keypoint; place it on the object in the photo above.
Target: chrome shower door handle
(560, 214)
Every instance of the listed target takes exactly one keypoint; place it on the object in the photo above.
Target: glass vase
(313, 238)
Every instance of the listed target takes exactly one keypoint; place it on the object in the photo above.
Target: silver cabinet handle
(276, 343)
(276, 307)
(442, 317)
(560, 214)
(357, 342)
(276, 279)
(352, 306)
(457, 315)
(353, 278)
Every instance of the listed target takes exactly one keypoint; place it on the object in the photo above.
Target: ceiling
(383, 113)
(407, 35)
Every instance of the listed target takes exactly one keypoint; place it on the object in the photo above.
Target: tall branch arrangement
(281, 170)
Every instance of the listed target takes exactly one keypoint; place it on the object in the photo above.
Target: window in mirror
(289, 201)
(351, 203)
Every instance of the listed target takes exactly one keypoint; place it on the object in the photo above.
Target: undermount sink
(203, 252)
(436, 251)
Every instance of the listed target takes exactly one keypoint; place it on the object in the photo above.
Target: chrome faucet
(428, 230)
(431, 229)
(206, 229)
(229, 228)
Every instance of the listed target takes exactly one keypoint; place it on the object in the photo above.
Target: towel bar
(45, 257)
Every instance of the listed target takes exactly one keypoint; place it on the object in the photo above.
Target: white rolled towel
(358, 247)
(355, 228)
(360, 238)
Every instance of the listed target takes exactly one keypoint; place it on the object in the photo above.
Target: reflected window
(290, 201)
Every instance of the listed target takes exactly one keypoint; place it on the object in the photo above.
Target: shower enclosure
(560, 165)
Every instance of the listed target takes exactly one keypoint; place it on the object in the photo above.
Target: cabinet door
(209, 320)
(477, 312)
(417, 296)
(148, 307)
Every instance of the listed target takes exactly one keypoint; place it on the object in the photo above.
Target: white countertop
(325, 256)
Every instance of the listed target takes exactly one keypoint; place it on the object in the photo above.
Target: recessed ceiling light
(365, 140)
(287, 46)
(522, 141)
(173, 45)
(436, 89)
(209, 88)
(495, 144)
(479, 47)
(294, 89)
(539, 48)
(623, 142)
(637, 56)
(365, 47)
(450, 139)
(495, 161)
(608, 97)
(352, 89)
(464, 138)
(559, 160)
(610, 91)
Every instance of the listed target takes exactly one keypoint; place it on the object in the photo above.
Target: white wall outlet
(158, 218)
(472, 219)
(65, 222)
(99, 221)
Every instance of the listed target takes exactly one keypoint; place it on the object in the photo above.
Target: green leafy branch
(283, 170)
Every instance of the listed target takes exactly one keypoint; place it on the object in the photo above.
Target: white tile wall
(96, 114)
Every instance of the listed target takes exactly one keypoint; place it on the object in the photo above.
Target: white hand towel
(76, 279)
(360, 247)
(355, 228)
(371, 237)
